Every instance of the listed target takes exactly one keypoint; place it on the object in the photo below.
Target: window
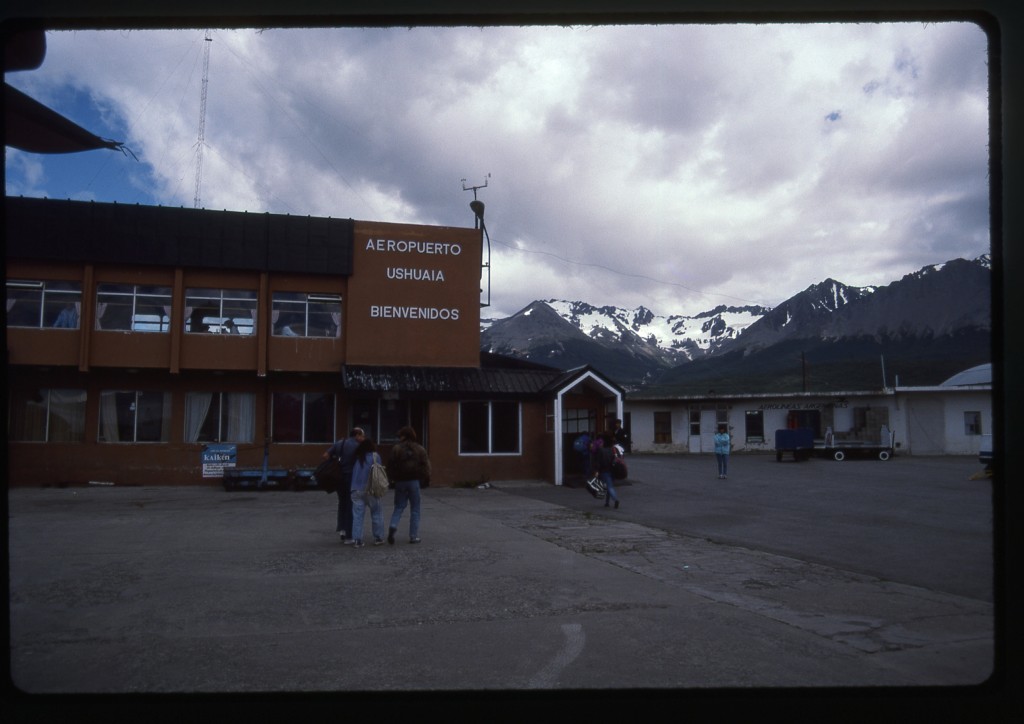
(694, 423)
(133, 308)
(663, 428)
(220, 311)
(721, 417)
(303, 417)
(576, 421)
(972, 423)
(43, 304)
(47, 415)
(220, 416)
(489, 428)
(297, 314)
(754, 420)
(134, 416)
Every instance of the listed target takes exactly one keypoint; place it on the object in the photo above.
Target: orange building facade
(151, 345)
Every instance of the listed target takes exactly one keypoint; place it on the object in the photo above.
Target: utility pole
(202, 119)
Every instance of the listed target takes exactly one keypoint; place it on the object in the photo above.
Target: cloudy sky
(678, 167)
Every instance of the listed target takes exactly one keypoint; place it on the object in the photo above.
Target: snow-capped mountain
(679, 337)
(940, 303)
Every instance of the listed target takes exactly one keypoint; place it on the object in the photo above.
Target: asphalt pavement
(518, 590)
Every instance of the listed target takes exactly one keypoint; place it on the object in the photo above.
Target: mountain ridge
(944, 308)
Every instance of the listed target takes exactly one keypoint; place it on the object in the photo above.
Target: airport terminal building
(156, 345)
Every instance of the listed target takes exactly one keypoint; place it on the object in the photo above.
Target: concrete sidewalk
(169, 589)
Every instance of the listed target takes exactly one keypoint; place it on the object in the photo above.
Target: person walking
(408, 467)
(723, 444)
(345, 451)
(622, 437)
(365, 456)
(605, 458)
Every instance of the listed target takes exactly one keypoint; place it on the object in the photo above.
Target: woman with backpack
(365, 456)
(408, 468)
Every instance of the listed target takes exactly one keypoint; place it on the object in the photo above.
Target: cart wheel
(884, 455)
(839, 455)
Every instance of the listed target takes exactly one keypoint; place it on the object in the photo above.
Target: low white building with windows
(945, 419)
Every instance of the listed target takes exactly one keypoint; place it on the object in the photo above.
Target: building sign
(217, 457)
(414, 295)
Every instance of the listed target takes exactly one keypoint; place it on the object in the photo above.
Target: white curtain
(11, 303)
(336, 318)
(241, 416)
(108, 417)
(101, 308)
(67, 416)
(197, 407)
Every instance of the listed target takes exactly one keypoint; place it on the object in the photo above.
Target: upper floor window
(133, 307)
(220, 311)
(298, 314)
(43, 303)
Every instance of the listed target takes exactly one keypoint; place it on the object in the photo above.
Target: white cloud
(707, 164)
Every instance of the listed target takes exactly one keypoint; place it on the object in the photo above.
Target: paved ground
(519, 589)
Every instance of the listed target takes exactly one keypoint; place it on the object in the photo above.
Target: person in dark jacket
(345, 451)
(408, 468)
(605, 458)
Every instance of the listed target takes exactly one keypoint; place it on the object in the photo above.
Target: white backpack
(379, 483)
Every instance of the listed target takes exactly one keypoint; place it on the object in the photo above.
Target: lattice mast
(202, 120)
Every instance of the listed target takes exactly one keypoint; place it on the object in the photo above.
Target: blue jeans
(406, 492)
(723, 463)
(360, 500)
(606, 478)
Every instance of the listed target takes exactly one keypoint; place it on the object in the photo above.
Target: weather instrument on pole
(477, 207)
(202, 119)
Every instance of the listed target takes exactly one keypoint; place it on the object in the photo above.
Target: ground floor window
(134, 416)
(43, 415)
(490, 428)
(663, 427)
(754, 424)
(972, 423)
(303, 417)
(220, 417)
(694, 423)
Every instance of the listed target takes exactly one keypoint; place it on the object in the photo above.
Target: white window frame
(490, 430)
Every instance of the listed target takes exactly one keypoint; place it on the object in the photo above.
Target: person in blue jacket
(366, 455)
(723, 443)
(345, 451)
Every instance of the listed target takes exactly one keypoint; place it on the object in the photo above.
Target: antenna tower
(202, 120)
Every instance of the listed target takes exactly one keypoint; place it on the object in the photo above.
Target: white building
(946, 419)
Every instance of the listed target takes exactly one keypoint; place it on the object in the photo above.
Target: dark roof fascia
(139, 235)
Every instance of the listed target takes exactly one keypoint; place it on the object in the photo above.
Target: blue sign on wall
(217, 457)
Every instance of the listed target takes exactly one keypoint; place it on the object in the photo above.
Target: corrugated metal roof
(111, 233)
